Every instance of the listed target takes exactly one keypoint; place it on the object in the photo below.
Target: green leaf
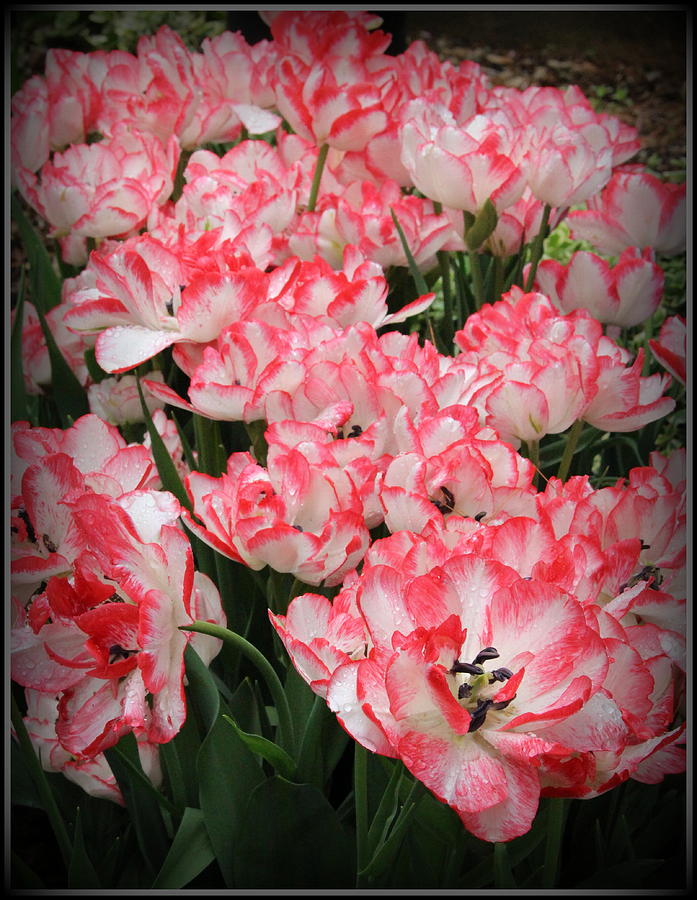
(174, 757)
(227, 773)
(212, 458)
(81, 872)
(272, 753)
(386, 811)
(97, 373)
(191, 852)
(416, 275)
(482, 226)
(201, 689)
(439, 819)
(387, 852)
(142, 800)
(244, 707)
(41, 782)
(18, 395)
(69, 395)
(292, 839)
(165, 464)
(45, 285)
(24, 791)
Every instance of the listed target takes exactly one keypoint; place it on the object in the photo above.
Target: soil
(632, 63)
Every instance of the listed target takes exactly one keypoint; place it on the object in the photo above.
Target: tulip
(636, 209)
(670, 347)
(624, 295)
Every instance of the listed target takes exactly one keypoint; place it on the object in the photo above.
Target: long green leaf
(143, 805)
(191, 852)
(416, 275)
(18, 394)
(388, 849)
(201, 689)
(272, 753)
(69, 395)
(165, 464)
(81, 872)
(227, 774)
(45, 285)
(212, 458)
(292, 839)
(386, 811)
(44, 791)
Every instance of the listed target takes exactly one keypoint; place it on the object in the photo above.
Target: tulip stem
(534, 457)
(179, 180)
(448, 331)
(537, 247)
(648, 334)
(498, 277)
(477, 281)
(285, 720)
(319, 168)
(570, 449)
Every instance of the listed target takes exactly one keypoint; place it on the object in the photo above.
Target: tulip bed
(348, 474)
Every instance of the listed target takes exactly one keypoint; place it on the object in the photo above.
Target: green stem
(448, 331)
(360, 793)
(556, 811)
(477, 281)
(537, 247)
(648, 334)
(42, 786)
(503, 876)
(285, 720)
(534, 457)
(319, 168)
(178, 186)
(570, 448)
(498, 277)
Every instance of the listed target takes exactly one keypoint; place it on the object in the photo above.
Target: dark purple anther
(469, 668)
(485, 654)
(502, 674)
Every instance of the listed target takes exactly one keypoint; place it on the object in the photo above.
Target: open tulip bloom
(348, 518)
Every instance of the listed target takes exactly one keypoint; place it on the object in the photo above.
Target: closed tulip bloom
(322, 109)
(291, 518)
(624, 295)
(563, 168)
(636, 209)
(460, 166)
(103, 189)
(626, 400)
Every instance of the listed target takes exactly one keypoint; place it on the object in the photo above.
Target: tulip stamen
(469, 690)
(447, 505)
(502, 674)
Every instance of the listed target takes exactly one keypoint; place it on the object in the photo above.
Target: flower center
(472, 681)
